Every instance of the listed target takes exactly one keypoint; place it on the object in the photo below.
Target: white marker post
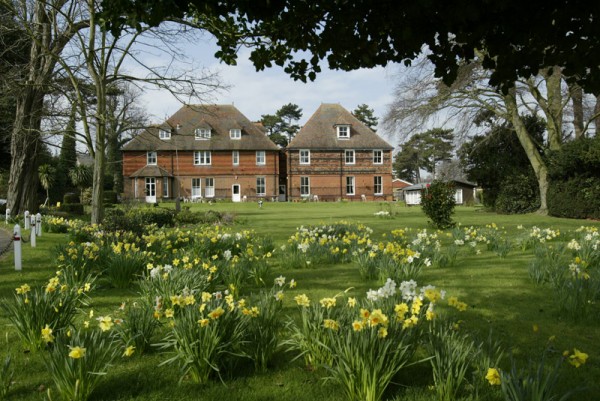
(33, 235)
(38, 225)
(17, 247)
(7, 215)
(27, 220)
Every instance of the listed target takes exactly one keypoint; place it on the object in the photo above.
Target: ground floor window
(378, 185)
(196, 188)
(349, 185)
(261, 187)
(209, 187)
(165, 187)
(304, 186)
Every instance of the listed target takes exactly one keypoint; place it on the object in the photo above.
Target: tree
(44, 28)
(421, 97)
(47, 175)
(289, 114)
(424, 151)
(82, 52)
(366, 115)
(81, 177)
(280, 126)
(496, 156)
(298, 35)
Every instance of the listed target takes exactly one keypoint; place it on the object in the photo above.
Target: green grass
(500, 295)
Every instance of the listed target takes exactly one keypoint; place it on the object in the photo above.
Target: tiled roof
(320, 131)
(151, 171)
(218, 118)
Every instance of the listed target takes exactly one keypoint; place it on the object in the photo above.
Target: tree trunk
(554, 110)
(577, 99)
(597, 114)
(535, 158)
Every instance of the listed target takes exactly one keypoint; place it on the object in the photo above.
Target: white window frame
(305, 186)
(378, 185)
(202, 133)
(304, 156)
(261, 182)
(235, 157)
(209, 187)
(151, 158)
(261, 158)
(458, 196)
(202, 158)
(235, 133)
(164, 134)
(350, 184)
(343, 131)
(349, 156)
(378, 156)
(196, 188)
(165, 187)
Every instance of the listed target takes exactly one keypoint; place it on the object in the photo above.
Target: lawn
(502, 300)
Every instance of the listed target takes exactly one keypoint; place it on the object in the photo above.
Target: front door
(281, 197)
(235, 193)
(150, 190)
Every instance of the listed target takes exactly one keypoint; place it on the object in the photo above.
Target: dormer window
(235, 133)
(202, 133)
(343, 131)
(164, 134)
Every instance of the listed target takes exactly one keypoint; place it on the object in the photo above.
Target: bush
(137, 219)
(70, 198)
(577, 198)
(110, 197)
(72, 208)
(438, 203)
(519, 194)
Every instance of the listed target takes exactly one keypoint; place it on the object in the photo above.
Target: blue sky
(257, 93)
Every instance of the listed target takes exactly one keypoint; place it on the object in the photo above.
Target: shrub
(138, 219)
(576, 198)
(110, 197)
(70, 198)
(518, 194)
(438, 204)
(72, 208)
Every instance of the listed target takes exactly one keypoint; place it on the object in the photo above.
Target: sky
(264, 92)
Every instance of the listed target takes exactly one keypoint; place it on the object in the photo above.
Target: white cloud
(257, 93)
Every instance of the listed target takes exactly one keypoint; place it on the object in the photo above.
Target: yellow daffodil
(77, 352)
(382, 332)
(129, 351)
(357, 325)
(351, 302)
(105, 323)
(302, 300)
(331, 324)
(493, 377)
(216, 313)
(47, 334)
(578, 358)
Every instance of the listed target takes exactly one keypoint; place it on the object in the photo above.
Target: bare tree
(91, 58)
(420, 98)
(48, 26)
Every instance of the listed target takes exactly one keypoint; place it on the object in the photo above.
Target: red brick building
(202, 152)
(335, 156)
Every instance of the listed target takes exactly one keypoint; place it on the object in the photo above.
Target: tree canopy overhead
(519, 38)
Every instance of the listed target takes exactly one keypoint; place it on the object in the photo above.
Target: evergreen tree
(67, 159)
(366, 115)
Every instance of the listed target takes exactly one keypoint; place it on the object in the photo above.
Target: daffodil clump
(210, 331)
(536, 382)
(572, 270)
(364, 343)
(334, 243)
(54, 224)
(79, 357)
(39, 312)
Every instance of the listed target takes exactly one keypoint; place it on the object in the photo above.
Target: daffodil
(302, 300)
(47, 334)
(216, 313)
(129, 351)
(493, 377)
(105, 323)
(77, 352)
(578, 358)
